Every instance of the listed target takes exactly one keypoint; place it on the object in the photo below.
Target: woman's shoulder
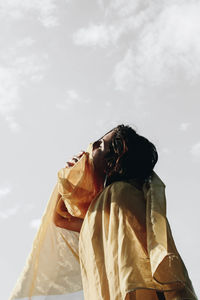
(126, 185)
(125, 195)
(123, 188)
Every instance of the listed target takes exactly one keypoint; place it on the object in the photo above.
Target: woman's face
(100, 149)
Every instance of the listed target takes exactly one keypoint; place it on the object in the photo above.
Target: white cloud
(72, 94)
(25, 42)
(43, 10)
(72, 98)
(16, 71)
(108, 103)
(184, 126)
(9, 212)
(166, 50)
(12, 78)
(29, 67)
(163, 41)
(195, 151)
(97, 35)
(35, 223)
(4, 191)
(123, 71)
(9, 96)
(6, 212)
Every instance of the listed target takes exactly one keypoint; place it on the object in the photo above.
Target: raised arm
(63, 219)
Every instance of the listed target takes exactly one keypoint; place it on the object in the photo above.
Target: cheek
(98, 161)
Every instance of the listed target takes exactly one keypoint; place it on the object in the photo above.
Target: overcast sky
(72, 70)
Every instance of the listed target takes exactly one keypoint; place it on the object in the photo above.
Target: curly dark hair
(131, 156)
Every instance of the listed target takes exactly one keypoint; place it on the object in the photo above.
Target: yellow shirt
(125, 245)
(118, 253)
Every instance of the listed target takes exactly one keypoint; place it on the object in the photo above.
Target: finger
(75, 159)
(80, 153)
(78, 156)
(70, 164)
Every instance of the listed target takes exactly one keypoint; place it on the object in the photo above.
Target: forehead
(108, 136)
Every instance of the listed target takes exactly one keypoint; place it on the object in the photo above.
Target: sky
(72, 70)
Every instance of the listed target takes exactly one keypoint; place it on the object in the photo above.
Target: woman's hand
(73, 224)
(74, 160)
(62, 218)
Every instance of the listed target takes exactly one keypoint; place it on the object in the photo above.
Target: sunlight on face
(100, 149)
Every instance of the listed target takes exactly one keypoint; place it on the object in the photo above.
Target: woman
(126, 249)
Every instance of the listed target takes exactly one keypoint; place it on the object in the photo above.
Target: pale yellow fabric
(141, 294)
(166, 265)
(52, 267)
(78, 186)
(118, 255)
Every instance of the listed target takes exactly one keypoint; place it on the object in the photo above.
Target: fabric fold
(126, 246)
(166, 263)
(77, 185)
(52, 267)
